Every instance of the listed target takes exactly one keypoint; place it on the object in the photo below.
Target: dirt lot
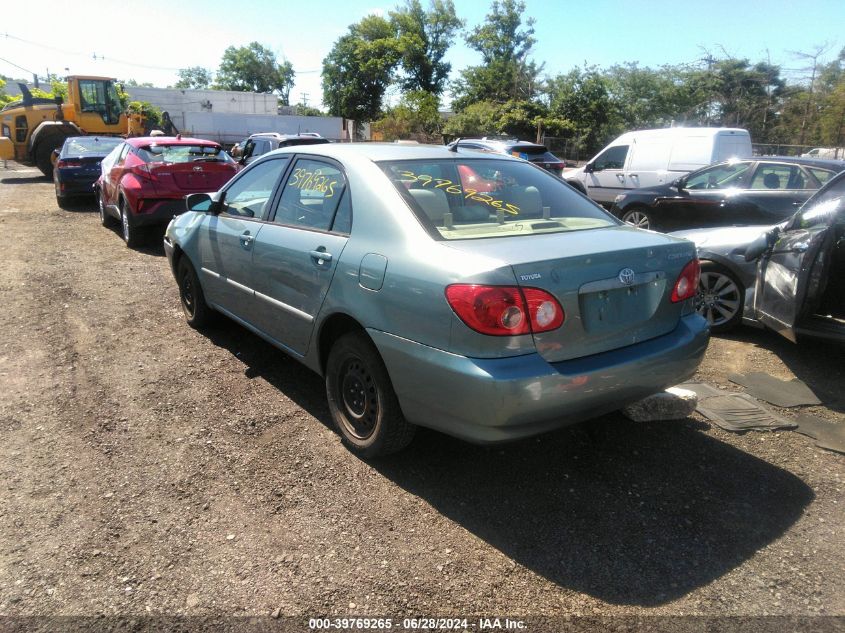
(151, 469)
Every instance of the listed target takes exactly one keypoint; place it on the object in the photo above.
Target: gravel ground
(149, 469)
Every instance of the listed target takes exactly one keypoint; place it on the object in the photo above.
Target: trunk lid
(589, 272)
(200, 175)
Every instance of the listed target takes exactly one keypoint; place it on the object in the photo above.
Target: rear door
(792, 275)
(775, 192)
(226, 240)
(296, 254)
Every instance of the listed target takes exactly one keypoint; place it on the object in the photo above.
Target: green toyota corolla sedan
(477, 295)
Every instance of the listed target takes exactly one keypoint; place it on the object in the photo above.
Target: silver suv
(263, 142)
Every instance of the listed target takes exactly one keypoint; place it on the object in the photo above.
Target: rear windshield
(308, 140)
(528, 150)
(81, 145)
(473, 198)
(157, 153)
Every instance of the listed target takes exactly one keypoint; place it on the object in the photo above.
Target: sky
(150, 41)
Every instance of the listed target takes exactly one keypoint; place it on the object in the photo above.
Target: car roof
(377, 152)
(141, 141)
(284, 137)
(830, 163)
(498, 142)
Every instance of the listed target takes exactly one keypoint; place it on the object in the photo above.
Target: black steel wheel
(720, 297)
(361, 399)
(197, 313)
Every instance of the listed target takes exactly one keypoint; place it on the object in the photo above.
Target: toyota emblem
(626, 276)
(197, 168)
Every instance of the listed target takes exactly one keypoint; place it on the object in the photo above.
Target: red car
(143, 181)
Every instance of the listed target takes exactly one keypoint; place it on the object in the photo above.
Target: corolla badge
(626, 276)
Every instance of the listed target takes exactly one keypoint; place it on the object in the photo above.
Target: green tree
(359, 68)
(254, 68)
(415, 117)
(4, 98)
(521, 119)
(424, 37)
(506, 73)
(150, 111)
(194, 77)
(583, 96)
(306, 110)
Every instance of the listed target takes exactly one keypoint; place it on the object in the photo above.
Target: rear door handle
(246, 239)
(322, 257)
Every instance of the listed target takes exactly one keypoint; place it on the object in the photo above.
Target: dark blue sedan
(77, 165)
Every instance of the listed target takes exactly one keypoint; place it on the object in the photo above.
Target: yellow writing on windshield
(450, 187)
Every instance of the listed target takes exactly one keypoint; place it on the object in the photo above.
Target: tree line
(509, 93)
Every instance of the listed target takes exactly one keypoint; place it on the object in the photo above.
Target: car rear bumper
(75, 185)
(153, 212)
(497, 400)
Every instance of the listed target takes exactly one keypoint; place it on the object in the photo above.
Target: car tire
(577, 185)
(361, 399)
(191, 297)
(639, 217)
(720, 298)
(128, 229)
(105, 219)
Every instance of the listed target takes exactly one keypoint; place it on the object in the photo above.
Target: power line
(113, 60)
(16, 66)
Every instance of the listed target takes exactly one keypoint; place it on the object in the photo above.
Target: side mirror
(589, 168)
(760, 245)
(202, 203)
(681, 183)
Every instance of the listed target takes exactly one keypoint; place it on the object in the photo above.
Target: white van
(653, 157)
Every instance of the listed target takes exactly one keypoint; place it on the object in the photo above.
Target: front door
(296, 254)
(792, 276)
(607, 179)
(226, 240)
(714, 197)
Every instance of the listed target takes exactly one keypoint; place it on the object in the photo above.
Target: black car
(789, 277)
(77, 165)
(736, 192)
(532, 152)
(258, 144)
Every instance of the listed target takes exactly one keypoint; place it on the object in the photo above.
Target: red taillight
(687, 284)
(143, 170)
(505, 310)
(62, 163)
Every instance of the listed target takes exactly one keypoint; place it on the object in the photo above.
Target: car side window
(343, 218)
(725, 176)
(822, 175)
(311, 195)
(248, 195)
(123, 152)
(769, 177)
(262, 146)
(824, 209)
(612, 158)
